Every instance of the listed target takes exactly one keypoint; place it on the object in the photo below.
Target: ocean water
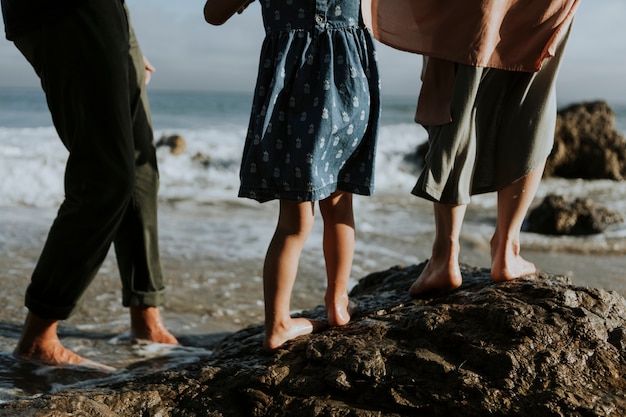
(213, 243)
(32, 159)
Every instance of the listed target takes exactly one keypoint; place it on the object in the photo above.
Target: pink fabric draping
(514, 35)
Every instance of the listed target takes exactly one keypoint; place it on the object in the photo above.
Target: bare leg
(339, 239)
(295, 222)
(442, 272)
(146, 324)
(513, 203)
(40, 342)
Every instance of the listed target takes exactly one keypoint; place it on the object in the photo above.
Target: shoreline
(212, 256)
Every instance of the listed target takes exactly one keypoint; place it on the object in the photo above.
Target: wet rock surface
(536, 346)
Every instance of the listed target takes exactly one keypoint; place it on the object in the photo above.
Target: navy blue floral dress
(316, 106)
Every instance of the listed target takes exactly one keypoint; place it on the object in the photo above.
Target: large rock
(537, 346)
(556, 215)
(586, 144)
(175, 143)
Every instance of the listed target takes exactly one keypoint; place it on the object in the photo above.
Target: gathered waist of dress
(319, 15)
(313, 29)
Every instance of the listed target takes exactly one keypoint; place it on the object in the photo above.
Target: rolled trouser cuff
(143, 299)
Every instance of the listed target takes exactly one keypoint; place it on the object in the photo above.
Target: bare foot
(507, 264)
(275, 338)
(339, 313)
(40, 342)
(513, 268)
(437, 276)
(49, 351)
(146, 324)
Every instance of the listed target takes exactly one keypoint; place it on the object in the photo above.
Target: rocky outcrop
(176, 143)
(587, 145)
(202, 159)
(537, 346)
(556, 215)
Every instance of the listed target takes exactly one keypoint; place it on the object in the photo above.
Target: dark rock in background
(176, 143)
(587, 145)
(557, 216)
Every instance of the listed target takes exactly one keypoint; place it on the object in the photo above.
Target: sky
(190, 54)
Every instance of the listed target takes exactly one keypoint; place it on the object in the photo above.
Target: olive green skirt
(502, 129)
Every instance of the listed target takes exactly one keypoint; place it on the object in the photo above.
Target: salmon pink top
(514, 35)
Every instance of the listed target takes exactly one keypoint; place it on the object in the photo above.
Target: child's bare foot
(280, 334)
(146, 324)
(442, 276)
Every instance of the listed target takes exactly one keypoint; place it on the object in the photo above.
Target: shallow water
(212, 255)
(213, 244)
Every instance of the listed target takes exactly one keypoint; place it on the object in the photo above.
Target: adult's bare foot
(280, 334)
(340, 313)
(146, 324)
(513, 268)
(48, 351)
(507, 264)
(40, 342)
(437, 276)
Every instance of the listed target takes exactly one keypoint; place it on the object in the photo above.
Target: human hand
(217, 12)
(148, 68)
(245, 6)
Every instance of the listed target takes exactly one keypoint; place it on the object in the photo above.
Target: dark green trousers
(92, 72)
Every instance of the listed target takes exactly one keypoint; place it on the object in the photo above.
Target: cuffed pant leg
(136, 243)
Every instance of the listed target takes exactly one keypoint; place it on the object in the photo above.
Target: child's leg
(295, 221)
(339, 238)
(442, 271)
(514, 200)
